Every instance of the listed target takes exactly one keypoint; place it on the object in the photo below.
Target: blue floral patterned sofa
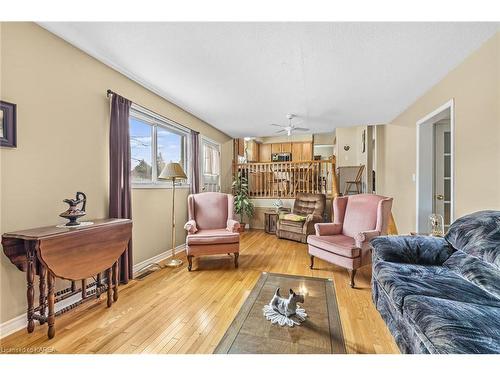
(442, 295)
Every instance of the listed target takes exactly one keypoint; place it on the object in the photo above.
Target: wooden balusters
(286, 179)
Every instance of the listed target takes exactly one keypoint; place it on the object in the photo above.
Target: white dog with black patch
(286, 306)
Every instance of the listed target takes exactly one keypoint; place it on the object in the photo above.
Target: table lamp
(173, 172)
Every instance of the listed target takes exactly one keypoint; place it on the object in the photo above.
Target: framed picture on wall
(7, 124)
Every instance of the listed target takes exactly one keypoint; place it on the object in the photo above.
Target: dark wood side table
(74, 254)
(271, 219)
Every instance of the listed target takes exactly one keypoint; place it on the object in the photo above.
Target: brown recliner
(312, 206)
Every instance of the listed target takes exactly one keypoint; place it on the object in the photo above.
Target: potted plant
(242, 204)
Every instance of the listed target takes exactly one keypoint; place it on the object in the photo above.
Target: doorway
(435, 167)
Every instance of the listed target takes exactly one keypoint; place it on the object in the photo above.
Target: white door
(442, 171)
(210, 165)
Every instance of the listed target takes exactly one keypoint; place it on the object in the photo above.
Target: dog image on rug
(281, 310)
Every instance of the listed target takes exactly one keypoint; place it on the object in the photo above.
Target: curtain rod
(110, 93)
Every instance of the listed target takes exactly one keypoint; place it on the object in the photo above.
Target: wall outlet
(414, 177)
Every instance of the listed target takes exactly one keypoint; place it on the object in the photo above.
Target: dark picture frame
(8, 124)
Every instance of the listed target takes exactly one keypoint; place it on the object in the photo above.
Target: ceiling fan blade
(281, 126)
(302, 129)
(281, 131)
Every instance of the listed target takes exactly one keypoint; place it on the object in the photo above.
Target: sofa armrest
(327, 229)
(191, 227)
(310, 223)
(232, 225)
(363, 237)
(423, 250)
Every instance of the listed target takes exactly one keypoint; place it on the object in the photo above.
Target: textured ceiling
(241, 77)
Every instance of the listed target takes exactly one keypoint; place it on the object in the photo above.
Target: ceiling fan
(290, 128)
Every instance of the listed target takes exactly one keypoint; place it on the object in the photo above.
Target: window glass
(170, 148)
(140, 150)
(151, 135)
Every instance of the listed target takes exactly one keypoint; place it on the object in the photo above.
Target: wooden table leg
(42, 299)
(98, 285)
(115, 281)
(51, 301)
(84, 288)
(30, 274)
(108, 284)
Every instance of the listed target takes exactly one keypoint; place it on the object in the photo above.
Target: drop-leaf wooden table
(74, 254)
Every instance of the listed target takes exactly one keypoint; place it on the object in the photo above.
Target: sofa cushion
(292, 217)
(482, 274)
(309, 203)
(447, 326)
(337, 244)
(291, 225)
(400, 281)
(478, 235)
(212, 236)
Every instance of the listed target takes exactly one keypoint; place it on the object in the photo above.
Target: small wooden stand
(271, 219)
(74, 254)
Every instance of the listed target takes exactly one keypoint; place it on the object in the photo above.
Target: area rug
(320, 333)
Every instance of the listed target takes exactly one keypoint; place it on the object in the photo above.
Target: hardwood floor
(176, 311)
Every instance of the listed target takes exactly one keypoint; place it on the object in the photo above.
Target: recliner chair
(311, 207)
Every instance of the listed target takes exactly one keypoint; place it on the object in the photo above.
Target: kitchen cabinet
(286, 147)
(275, 148)
(252, 151)
(265, 152)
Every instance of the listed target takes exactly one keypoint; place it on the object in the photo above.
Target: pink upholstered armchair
(345, 242)
(211, 227)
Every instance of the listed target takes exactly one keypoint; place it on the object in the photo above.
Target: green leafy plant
(242, 204)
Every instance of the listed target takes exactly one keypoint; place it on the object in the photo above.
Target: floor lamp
(173, 172)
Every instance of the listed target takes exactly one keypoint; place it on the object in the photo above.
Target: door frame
(425, 132)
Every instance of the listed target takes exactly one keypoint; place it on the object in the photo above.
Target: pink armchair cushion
(338, 244)
(210, 210)
(212, 237)
(365, 212)
(232, 225)
(327, 229)
(190, 226)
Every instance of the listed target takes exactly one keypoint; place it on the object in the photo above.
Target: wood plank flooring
(176, 311)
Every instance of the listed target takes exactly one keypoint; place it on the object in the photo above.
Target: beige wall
(349, 136)
(324, 138)
(63, 146)
(474, 85)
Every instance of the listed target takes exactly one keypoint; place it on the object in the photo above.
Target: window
(210, 165)
(154, 142)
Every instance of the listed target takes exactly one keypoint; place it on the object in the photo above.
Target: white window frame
(157, 121)
(217, 145)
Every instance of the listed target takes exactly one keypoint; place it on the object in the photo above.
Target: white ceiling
(241, 77)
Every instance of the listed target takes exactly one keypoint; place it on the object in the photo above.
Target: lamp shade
(172, 171)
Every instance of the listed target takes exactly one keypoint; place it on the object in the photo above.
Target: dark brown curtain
(119, 174)
(195, 162)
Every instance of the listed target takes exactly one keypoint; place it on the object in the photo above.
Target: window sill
(159, 186)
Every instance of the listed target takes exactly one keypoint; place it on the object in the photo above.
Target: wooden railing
(286, 179)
